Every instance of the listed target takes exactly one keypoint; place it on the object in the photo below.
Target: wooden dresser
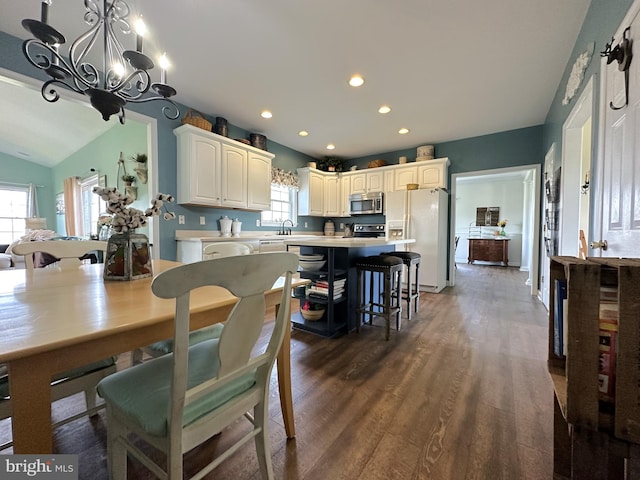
(489, 250)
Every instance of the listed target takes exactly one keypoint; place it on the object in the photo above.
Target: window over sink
(284, 206)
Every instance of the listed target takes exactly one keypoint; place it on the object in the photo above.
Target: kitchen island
(337, 279)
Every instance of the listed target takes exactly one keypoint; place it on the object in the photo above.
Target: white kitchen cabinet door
(405, 175)
(332, 201)
(375, 181)
(359, 183)
(389, 180)
(345, 191)
(311, 192)
(258, 182)
(433, 173)
(234, 177)
(198, 170)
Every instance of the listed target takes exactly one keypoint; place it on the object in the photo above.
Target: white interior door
(618, 169)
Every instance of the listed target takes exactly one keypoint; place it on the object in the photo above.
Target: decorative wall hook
(622, 54)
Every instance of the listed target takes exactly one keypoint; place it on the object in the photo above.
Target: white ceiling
(449, 69)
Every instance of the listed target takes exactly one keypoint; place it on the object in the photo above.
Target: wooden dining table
(56, 320)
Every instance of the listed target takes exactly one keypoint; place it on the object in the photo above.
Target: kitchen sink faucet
(288, 231)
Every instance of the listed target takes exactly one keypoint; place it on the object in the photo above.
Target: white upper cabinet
(332, 203)
(433, 173)
(198, 175)
(358, 182)
(404, 175)
(234, 176)
(375, 180)
(311, 192)
(259, 181)
(216, 171)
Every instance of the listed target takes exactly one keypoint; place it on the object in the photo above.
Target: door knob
(601, 244)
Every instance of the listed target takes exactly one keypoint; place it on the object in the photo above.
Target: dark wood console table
(489, 250)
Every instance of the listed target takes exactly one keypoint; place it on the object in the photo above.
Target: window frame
(17, 231)
(292, 202)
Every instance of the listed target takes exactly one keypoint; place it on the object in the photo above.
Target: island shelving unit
(341, 255)
(334, 320)
(596, 435)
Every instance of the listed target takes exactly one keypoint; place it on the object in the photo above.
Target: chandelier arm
(84, 72)
(142, 86)
(166, 110)
(52, 94)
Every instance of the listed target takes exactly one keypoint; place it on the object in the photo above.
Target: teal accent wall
(601, 23)
(18, 170)
(498, 150)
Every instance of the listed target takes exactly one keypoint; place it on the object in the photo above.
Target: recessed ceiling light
(266, 114)
(303, 133)
(356, 81)
(331, 146)
(403, 131)
(384, 109)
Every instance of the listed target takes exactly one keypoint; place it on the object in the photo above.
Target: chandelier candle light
(125, 73)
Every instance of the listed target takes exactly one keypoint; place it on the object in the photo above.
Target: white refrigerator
(422, 215)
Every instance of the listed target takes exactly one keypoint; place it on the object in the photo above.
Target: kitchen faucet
(282, 231)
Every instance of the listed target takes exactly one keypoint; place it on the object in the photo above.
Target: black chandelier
(125, 73)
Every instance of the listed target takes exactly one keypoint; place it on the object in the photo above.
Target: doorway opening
(517, 191)
(576, 174)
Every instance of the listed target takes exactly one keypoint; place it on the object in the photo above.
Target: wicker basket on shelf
(195, 118)
(376, 163)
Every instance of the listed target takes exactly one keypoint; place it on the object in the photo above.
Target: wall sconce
(584, 188)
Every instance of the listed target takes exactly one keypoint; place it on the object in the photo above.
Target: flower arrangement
(126, 219)
(502, 223)
(128, 178)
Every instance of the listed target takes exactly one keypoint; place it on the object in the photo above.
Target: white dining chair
(67, 251)
(79, 380)
(211, 251)
(180, 400)
(226, 249)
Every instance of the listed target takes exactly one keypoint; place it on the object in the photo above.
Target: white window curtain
(32, 201)
(72, 206)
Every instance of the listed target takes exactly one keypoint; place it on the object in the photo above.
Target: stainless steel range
(369, 230)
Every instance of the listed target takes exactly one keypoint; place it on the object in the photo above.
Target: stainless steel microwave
(366, 203)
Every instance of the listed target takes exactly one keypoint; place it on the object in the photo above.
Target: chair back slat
(247, 277)
(67, 251)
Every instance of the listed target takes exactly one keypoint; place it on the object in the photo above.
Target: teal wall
(499, 150)
(601, 22)
(17, 170)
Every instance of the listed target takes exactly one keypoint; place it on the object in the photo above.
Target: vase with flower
(128, 255)
(502, 224)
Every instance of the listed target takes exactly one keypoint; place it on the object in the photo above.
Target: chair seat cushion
(197, 336)
(141, 393)
(76, 372)
(405, 255)
(378, 261)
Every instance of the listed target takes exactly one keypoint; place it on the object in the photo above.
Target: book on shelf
(559, 323)
(608, 322)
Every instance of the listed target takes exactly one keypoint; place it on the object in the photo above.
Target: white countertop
(341, 242)
(214, 236)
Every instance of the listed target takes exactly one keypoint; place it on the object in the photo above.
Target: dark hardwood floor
(461, 392)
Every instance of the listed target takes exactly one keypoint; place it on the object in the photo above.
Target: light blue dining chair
(180, 400)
